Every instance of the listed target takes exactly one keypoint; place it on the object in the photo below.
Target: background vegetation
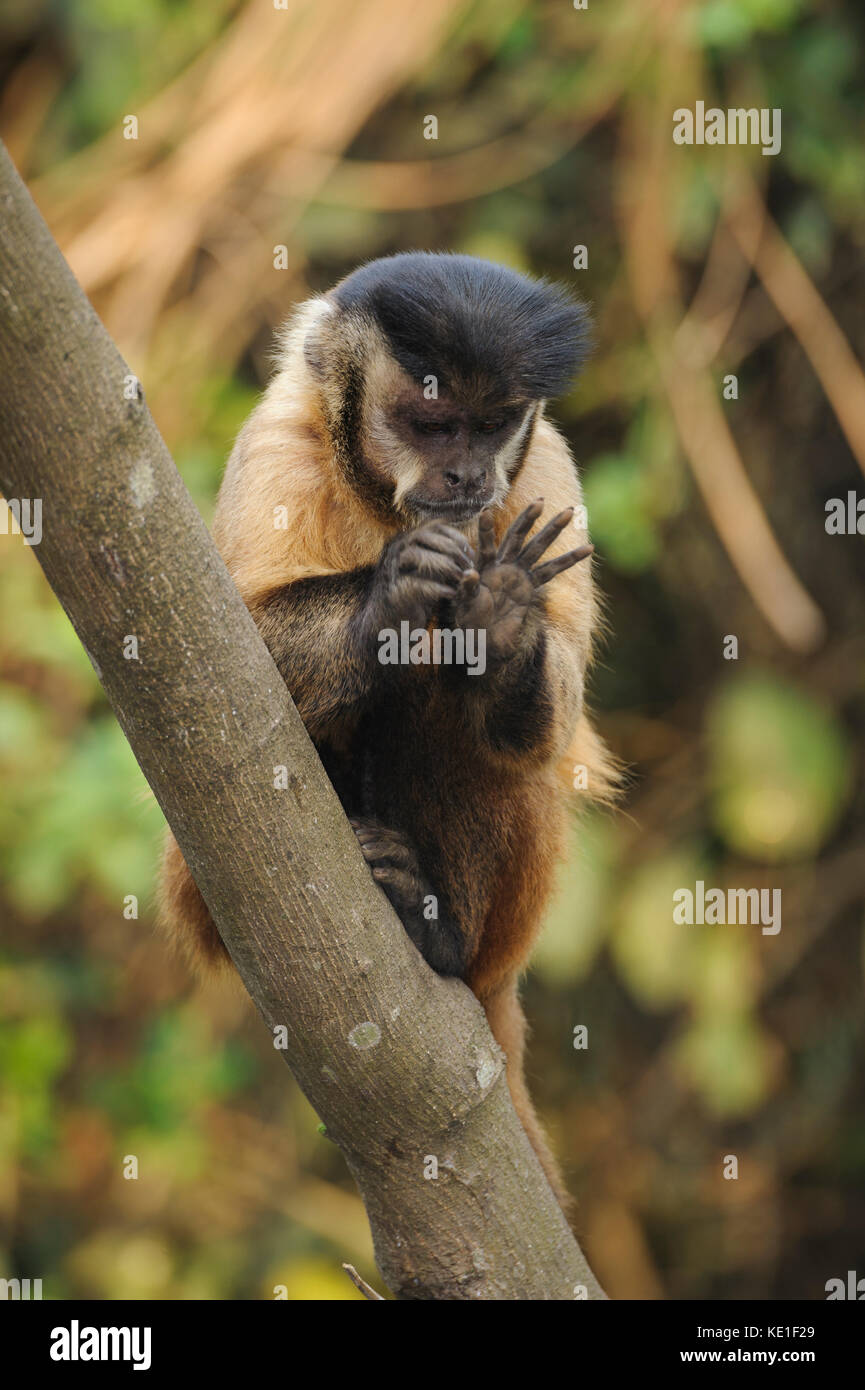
(303, 127)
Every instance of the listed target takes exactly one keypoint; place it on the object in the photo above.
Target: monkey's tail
(508, 1025)
(183, 915)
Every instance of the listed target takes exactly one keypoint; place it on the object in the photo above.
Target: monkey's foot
(395, 866)
(394, 863)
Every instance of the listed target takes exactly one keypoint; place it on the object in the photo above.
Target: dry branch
(706, 438)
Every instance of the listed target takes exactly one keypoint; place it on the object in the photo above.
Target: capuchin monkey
(392, 473)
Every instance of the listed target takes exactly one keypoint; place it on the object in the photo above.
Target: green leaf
(732, 23)
(576, 922)
(620, 516)
(779, 769)
(91, 821)
(729, 1059)
(656, 956)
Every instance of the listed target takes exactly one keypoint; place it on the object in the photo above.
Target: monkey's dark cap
(474, 325)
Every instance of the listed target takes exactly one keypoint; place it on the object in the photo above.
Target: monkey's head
(432, 371)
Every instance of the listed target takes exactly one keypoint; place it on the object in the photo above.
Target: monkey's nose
(470, 480)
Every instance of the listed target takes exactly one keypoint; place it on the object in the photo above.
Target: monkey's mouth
(458, 510)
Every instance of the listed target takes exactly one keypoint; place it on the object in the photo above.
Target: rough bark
(399, 1063)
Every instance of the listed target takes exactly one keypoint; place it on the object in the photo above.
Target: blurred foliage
(303, 127)
(780, 769)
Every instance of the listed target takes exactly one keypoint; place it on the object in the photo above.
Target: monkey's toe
(392, 861)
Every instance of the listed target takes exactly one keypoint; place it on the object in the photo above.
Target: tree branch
(399, 1063)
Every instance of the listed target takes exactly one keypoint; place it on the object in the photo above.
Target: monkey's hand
(395, 867)
(502, 592)
(417, 572)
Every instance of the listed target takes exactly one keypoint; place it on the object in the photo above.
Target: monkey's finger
(469, 585)
(415, 587)
(396, 881)
(438, 545)
(366, 834)
(544, 539)
(517, 532)
(544, 573)
(388, 857)
(486, 538)
(385, 847)
(434, 564)
(442, 531)
(369, 831)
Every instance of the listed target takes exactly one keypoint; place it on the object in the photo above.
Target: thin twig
(361, 1284)
(797, 298)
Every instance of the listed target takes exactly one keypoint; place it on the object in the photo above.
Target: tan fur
(400, 464)
(508, 1026)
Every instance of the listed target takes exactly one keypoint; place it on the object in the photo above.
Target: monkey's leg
(183, 913)
(508, 1024)
(423, 912)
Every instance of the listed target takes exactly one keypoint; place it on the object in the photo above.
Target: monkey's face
(447, 457)
(460, 453)
(438, 434)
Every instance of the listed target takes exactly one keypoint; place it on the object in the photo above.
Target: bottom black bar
(238, 1339)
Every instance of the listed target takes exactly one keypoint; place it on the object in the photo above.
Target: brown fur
(506, 835)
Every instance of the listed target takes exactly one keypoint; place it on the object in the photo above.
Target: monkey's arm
(323, 631)
(529, 706)
(314, 631)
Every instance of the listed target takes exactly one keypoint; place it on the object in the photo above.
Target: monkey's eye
(432, 426)
(489, 426)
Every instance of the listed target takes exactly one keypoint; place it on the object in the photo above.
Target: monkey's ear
(318, 325)
(315, 352)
